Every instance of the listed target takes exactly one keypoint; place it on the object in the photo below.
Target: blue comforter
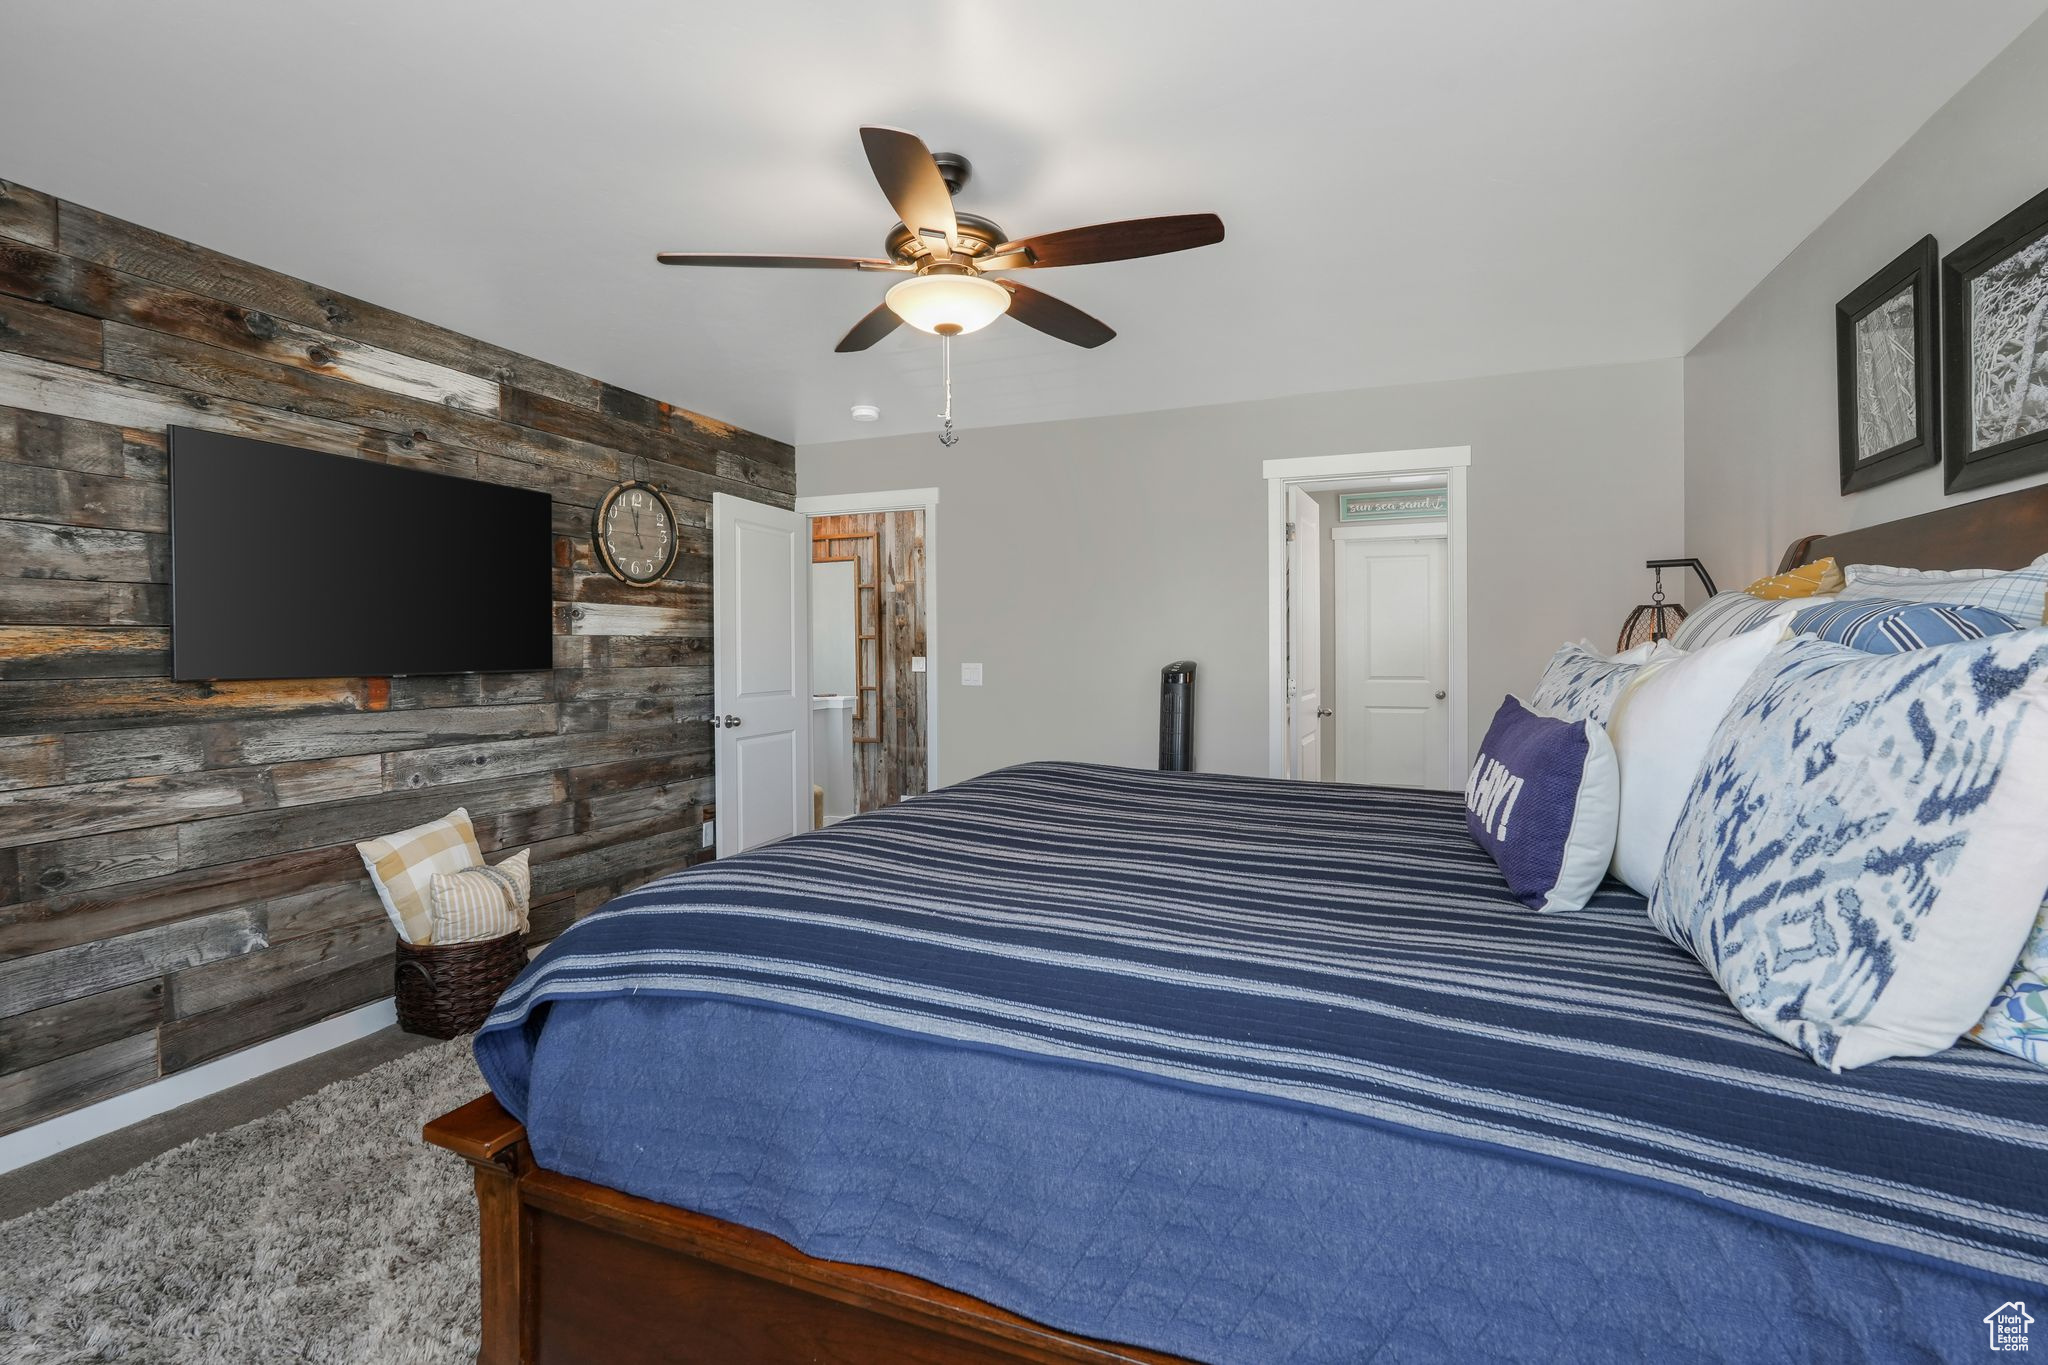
(1270, 1071)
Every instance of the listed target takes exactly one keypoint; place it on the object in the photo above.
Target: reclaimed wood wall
(888, 548)
(177, 875)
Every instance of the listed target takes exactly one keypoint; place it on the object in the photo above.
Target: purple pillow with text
(1543, 799)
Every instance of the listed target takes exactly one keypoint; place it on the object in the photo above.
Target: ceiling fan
(951, 257)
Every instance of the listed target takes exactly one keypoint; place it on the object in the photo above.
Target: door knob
(1439, 696)
(1325, 712)
(732, 722)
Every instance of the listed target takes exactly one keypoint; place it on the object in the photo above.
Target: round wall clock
(636, 533)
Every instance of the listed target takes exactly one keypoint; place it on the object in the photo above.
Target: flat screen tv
(288, 564)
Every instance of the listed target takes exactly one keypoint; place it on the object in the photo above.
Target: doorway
(871, 617)
(1389, 670)
(1367, 632)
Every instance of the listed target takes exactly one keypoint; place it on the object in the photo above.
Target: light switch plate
(970, 675)
(917, 663)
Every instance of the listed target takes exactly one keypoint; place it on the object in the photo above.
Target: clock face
(636, 533)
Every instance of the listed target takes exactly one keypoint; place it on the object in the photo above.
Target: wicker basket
(445, 991)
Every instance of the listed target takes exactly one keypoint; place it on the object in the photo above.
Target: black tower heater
(1177, 717)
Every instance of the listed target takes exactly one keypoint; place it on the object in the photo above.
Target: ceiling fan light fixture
(948, 304)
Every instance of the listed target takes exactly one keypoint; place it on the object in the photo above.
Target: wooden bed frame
(2004, 532)
(577, 1272)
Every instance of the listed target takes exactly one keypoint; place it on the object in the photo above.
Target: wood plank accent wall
(177, 876)
(889, 550)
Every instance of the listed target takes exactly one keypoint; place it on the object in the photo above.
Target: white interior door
(1393, 660)
(1305, 709)
(761, 669)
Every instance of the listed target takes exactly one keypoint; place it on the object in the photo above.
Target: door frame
(1303, 552)
(925, 500)
(1339, 473)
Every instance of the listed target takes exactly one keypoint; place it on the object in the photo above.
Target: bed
(1075, 1063)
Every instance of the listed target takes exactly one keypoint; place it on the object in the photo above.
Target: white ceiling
(1413, 191)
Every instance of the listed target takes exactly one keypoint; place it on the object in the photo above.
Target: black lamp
(1658, 619)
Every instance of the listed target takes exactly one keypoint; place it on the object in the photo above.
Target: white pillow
(1661, 728)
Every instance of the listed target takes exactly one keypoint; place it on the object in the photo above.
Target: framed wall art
(1995, 348)
(1887, 362)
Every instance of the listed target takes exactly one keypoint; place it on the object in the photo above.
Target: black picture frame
(1914, 271)
(1966, 464)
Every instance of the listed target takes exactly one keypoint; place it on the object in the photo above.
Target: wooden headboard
(2004, 532)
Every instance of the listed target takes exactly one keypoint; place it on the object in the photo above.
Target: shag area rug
(325, 1232)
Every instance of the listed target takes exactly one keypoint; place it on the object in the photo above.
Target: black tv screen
(288, 564)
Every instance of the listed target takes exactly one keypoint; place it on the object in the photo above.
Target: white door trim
(850, 504)
(1335, 473)
(1369, 465)
(1392, 530)
(925, 500)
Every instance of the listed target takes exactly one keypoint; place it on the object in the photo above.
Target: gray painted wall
(1760, 429)
(1076, 558)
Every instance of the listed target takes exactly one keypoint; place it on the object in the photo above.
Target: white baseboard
(52, 1136)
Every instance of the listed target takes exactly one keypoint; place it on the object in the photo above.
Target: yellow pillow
(402, 868)
(1818, 579)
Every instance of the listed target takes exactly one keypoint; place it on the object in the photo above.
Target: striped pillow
(1726, 615)
(1883, 625)
(401, 865)
(1818, 579)
(2018, 593)
(481, 902)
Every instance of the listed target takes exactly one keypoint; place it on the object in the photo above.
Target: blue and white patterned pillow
(2017, 1021)
(2018, 593)
(1580, 683)
(1862, 853)
(1887, 625)
(1726, 615)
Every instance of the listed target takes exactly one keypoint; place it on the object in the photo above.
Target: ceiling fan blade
(905, 170)
(761, 262)
(1054, 318)
(870, 329)
(1108, 242)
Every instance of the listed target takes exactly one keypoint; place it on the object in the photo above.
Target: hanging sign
(1401, 504)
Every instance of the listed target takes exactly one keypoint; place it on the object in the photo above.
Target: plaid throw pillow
(481, 902)
(402, 865)
(2021, 594)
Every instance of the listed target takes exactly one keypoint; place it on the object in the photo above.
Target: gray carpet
(326, 1232)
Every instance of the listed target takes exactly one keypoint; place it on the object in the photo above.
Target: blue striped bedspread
(1345, 948)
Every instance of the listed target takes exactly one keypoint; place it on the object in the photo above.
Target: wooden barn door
(888, 553)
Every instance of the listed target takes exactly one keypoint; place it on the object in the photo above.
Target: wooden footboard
(577, 1272)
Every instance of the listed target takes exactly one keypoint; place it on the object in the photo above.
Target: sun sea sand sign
(1405, 504)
